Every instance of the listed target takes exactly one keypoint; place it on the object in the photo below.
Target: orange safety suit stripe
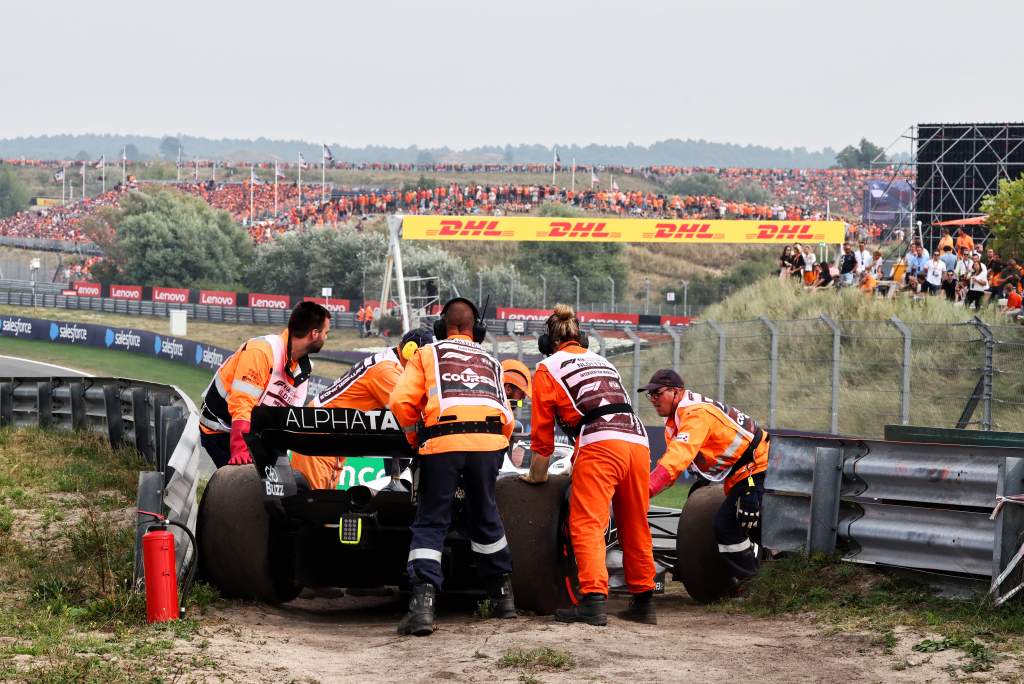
(611, 473)
(366, 387)
(416, 397)
(712, 436)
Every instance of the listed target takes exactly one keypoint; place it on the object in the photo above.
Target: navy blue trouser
(734, 543)
(438, 480)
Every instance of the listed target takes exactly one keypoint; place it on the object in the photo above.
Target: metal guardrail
(925, 506)
(50, 245)
(159, 421)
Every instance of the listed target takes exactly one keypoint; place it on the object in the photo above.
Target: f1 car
(263, 534)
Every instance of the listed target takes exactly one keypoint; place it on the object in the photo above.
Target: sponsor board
(361, 471)
(511, 314)
(170, 295)
(16, 327)
(47, 201)
(169, 347)
(507, 314)
(331, 304)
(70, 333)
(676, 320)
(218, 298)
(536, 228)
(128, 339)
(130, 292)
(268, 301)
(210, 357)
(87, 289)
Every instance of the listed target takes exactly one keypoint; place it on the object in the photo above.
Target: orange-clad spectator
(964, 241)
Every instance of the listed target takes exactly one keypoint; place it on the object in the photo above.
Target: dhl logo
(471, 228)
(786, 231)
(680, 231)
(577, 231)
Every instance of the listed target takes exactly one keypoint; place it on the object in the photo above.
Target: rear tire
(699, 566)
(243, 550)
(541, 557)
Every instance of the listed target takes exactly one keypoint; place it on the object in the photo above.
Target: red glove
(239, 449)
(660, 479)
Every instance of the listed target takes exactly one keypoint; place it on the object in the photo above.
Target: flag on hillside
(59, 176)
(277, 171)
(328, 157)
(100, 162)
(558, 159)
(594, 180)
(124, 153)
(615, 186)
(177, 164)
(83, 169)
(302, 162)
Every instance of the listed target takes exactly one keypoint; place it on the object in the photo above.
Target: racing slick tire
(543, 568)
(243, 550)
(699, 566)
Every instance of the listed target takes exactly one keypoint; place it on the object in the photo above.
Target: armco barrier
(159, 421)
(925, 506)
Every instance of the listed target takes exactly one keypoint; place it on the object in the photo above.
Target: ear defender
(409, 350)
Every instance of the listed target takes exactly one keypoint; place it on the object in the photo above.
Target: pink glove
(660, 479)
(239, 450)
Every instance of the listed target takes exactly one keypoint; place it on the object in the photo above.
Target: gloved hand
(660, 479)
(239, 449)
(748, 510)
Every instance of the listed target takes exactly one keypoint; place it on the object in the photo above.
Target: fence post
(836, 349)
(519, 346)
(986, 373)
(720, 365)
(675, 345)
(773, 366)
(494, 343)
(904, 371)
(636, 362)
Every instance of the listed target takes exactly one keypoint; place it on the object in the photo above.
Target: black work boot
(420, 618)
(499, 591)
(590, 610)
(641, 609)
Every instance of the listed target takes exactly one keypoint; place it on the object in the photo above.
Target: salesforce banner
(176, 349)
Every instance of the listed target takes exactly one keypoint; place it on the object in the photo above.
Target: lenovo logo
(133, 292)
(213, 298)
(87, 289)
(265, 301)
(171, 295)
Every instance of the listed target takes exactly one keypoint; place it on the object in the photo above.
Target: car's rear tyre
(541, 559)
(243, 551)
(699, 565)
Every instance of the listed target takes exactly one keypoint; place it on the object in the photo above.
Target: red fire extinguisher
(158, 559)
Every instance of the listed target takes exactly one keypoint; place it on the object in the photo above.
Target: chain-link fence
(848, 377)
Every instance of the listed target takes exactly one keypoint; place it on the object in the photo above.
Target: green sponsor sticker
(360, 470)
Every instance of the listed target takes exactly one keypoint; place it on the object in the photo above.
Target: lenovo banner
(676, 320)
(170, 295)
(269, 301)
(332, 304)
(507, 314)
(538, 228)
(130, 292)
(85, 289)
(218, 298)
(598, 317)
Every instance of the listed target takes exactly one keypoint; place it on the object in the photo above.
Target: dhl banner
(545, 229)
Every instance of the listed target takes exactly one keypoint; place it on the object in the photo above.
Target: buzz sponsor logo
(68, 332)
(168, 347)
(122, 338)
(16, 327)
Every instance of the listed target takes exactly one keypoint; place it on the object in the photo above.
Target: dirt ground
(353, 639)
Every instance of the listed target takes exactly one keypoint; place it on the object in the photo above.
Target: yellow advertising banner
(546, 229)
(47, 201)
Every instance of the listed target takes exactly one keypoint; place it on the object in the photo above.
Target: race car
(263, 534)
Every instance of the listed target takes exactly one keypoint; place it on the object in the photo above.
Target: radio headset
(479, 325)
(546, 345)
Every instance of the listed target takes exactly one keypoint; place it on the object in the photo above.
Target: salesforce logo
(16, 327)
(69, 332)
(156, 345)
(122, 338)
(168, 347)
(54, 331)
(199, 354)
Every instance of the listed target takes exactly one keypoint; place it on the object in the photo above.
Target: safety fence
(159, 421)
(848, 377)
(925, 506)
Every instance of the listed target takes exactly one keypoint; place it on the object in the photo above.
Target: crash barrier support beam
(159, 421)
(518, 339)
(986, 372)
(836, 354)
(719, 359)
(676, 341)
(904, 371)
(925, 506)
(773, 368)
(489, 337)
(636, 364)
(602, 346)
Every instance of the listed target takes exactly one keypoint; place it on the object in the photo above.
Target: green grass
(672, 497)
(104, 362)
(537, 659)
(66, 563)
(853, 597)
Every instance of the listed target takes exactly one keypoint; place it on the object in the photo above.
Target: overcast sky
(464, 74)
